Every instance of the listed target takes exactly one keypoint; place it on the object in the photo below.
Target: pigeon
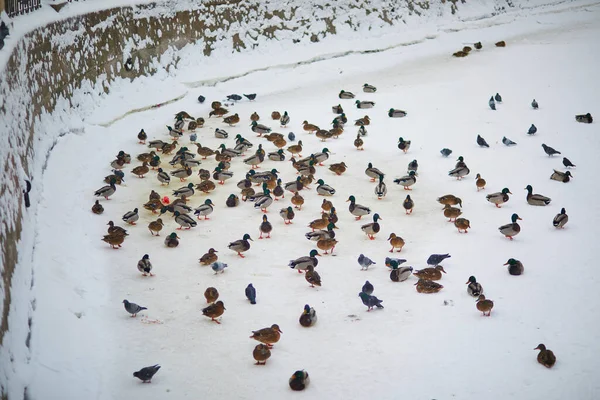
(291, 136)
(145, 374)
(132, 308)
(567, 163)
(492, 103)
(498, 98)
(218, 266)
(234, 97)
(532, 130)
(201, 99)
(481, 141)
(251, 293)
(368, 288)
(507, 141)
(144, 265)
(1, 44)
(435, 259)
(250, 96)
(370, 301)
(445, 152)
(534, 104)
(388, 261)
(193, 137)
(549, 150)
(365, 262)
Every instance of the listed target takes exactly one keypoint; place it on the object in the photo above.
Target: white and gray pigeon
(144, 265)
(132, 308)
(365, 262)
(368, 288)
(549, 150)
(145, 374)
(218, 266)
(370, 301)
(508, 142)
(435, 259)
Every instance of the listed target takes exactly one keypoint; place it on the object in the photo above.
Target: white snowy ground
(416, 347)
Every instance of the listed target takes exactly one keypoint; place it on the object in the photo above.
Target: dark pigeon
(436, 259)
(132, 308)
(201, 99)
(492, 103)
(234, 97)
(251, 294)
(1, 44)
(498, 98)
(445, 152)
(532, 130)
(481, 141)
(507, 141)
(368, 288)
(145, 374)
(567, 163)
(370, 301)
(291, 136)
(583, 118)
(534, 104)
(251, 96)
(549, 150)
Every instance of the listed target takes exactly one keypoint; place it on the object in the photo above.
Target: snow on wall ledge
(58, 72)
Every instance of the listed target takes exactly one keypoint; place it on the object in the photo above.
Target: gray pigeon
(534, 104)
(445, 152)
(567, 163)
(549, 150)
(507, 141)
(218, 266)
(234, 97)
(132, 308)
(250, 96)
(492, 103)
(291, 136)
(532, 130)
(144, 265)
(368, 288)
(498, 98)
(145, 374)
(388, 261)
(251, 293)
(481, 141)
(370, 301)
(436, 259)
(193, 137)
(365, 262)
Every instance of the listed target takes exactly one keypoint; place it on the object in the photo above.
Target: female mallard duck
(536, 199)
(205, 152)
(156, 226)
(358, 143)
(205, 209)
(451, 212)
(408, 204)
(107, 191)
(308, 317)
(115, 229)
(498, 197)
(380, 189)
(337, 109)
(221, 176)
(131, 217)
(296, 148)
(336, 131)
(209, 257)
(254, 116)
(545, 357)
(153, 195)
(97, 208)
(232, 119)
(142, 136)
(326, 205)
(211, 294)
(186, 191)
(145, 266)
(284, 120)
(240, 246)
(430, 273)
(396, 241)
(302, 263)
(323, 189)
(297, 201)
(206, 186)
(399, 274)
(219, 112)
(323, 134)
(474, 288)
(214, 311)
(369, 88)
(512, 229)
(287, 214)
(168, 148)
(345, 95)
(317, 235)
(484, 305)
(259, 128)
(278, 190)
(561, 219)
(372, 228)
(300, 380)
(215, 104)
(327, 244)
(261, 354)
(362, 121)
(449, 199)
(515, 267)
(373, 173)
(222, 156)
(462, 224)
(426, 286)
(182, 173)
(407, 181)
(356, 209)
(277, 156)
(479, 182)
(320, 223)
(275, 115)
(312, 276)
(265, 227)
(364, 104)
(184, 221)
(459, 172)
(117, 175)
(114, 239)
(199, 122)
(394, 113)
(403, 145)
(268, 336)
(561, 176)
(232, 201)
(310, 128)
(193, 125)
(146, 156)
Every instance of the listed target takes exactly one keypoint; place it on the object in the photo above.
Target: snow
(85, 345)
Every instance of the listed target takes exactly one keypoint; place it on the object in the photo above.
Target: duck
(323, 189)
(156, 144)
(114, 239)
(144, 265)
(302, 263)
(284, 120)
(322, 156)
(362, 121)
(172, 240)
(141, 170)
(459, 172)
(484, 305)
(182, 173)
(327, 244)
(319, 234)
(254, 116)
(413, 166)
(297, 200)
(515, 267)
(115, 229)
(219, 112)
(278, 190)
(445, 152)
(240, 246)
(276, 156)
(498, 197)
(337, 109)
(474, 288)
(326, 205)
(275, 115)
(209, 257)
(287, 214)
(345, 95)
(380, 189)
(336, 131)
(211, 294)
(181, 206)
(255, 160)
(358, 143)
(268, 336)
(320, 223)
(214, 311)
(426, 286)
(206, 186)
(430, 273)
(407, 181)
(561, 176)
(221, 133)
(261, 354)
(399, 274)
(479, 182)
(362, 131)
(184, 221)
(106, 191)
(142, 136)
(308, 317)
(388, 261)
(205, 152)
(156, 226)
(97, 208)
(264, 201)
(146, 156)
(408, 204)
(232, 119)
(296, 148)
(192, 126)
(221, 176)
(117, 175)
(545, 357)
(584, 118)
(403, 145)
(299, 380)
(280, 143)
(294, 186)
(462, 224)
(186, 191)
(369, 88)
(450, 199)
(451, 212)
(536, 199)
(394, 113)
(155, 162)
(265, 227)
(312, 276)
(356, 209)
(307, 170)
(124, 156)
(371, 229)
(176, 132)
(512, 229)
(232, 201)
(204, 209)
(364, 104)
(131, 217)
(259, 128)
(561, 219)
(168, 148)
(310, 128)
(373, 172)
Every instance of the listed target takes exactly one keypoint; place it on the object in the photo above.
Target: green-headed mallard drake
(399, 274)
(337, 109)
(232, 201)
(268, 336)
(474, 288)
(265, 227)
(206, 186)
(204, 209)
(317, 235)
(512, 229)
(536, 199)
(277, 155)
(498, 197)
(408, 204)
(156, 144)
(323, 189)
(302, 263)
(211, 294)
(284, 120)
(307, 169)
(407, 181)
(369, 88)
(107, 191)
(176, 131)
(264, 201)
(561, 219)
(380, 189)
(142, 136)
(451, 213)
(124, 156)
(287, 214)
(459, 172)
(484, 305)
(308, 317)
(364, 104)
(259, 128)
(184, 221)
(412, 166)
(299, 380)
(333, 217)
(327, 244)
(155, 162)
(449, 199)
(297, 201)
(114, 239)
(462, 224)
(205, 152)
(373, 172)
(403, 145)
(312, 276)
(182, 173)
(97, 208)
(131, 217)
(430, 273)
(545, 357)
(261, 354)
(394, 113)
(479, 182)
(156, 226)
(219, 112)
(221, 133)
(338, 168)
(232, 119)
(460, 162)
(209, 257)
(359, 143)
(296, 148)
(254, 160)
(294, 186)
(144, 265)
(561, 176)
(240, 246)
(186, 191)
(515, 267)
(345, 95)
(372, 228)
(214, 311)
(356, 209)
(310, 128)
(321, 156)
(278, 190)
(426, 286)
(221, 176)
(254, 116)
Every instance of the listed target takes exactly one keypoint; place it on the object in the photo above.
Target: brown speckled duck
(426, 286)
(484, 305)
(261, 354)
(545, 357)
(211, 294)
(430, 274)
(268, 336)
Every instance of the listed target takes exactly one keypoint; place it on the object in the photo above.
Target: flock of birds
(182, 165)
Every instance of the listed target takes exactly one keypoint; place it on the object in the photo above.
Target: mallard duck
(186, 191)
(131, 217)
(232, 201)
(221, 175)
(462, 224)
(107, 191)
(317, 235)
(460, 54)
(118, 164)
(302, 263)
(146, 156)
(337, 109)
(268, 336)
(254, 116)
(287, 214)
(323, 155)
(536, 199)
(205, 152)
(254, 160)
(308, 317)
(403, 145)
(264, 201)
(399, 274)
(232, 119)
(362, 131)
(214, 311)
(369, 88)
(176, 132)
(156, 144)
(117, 175)
(312, 276)
(323, 189)
(278, 190)
(206, 186)
(388, 261)
(407, 181)
(327, 244)
(449, 199)
(155, 162)
(297, 201)
(336, 131)
(345, 95)
(211, 294)
(182, 173)
(240, 246)
(296, 148)
(184, 221)
(393, 113)
(326, 205)
(372, 228)
(413, 166)
(307, 170)
(221, 133)
(261, 354)
(561, 219)
(561, 176)
(356, 209)
(259, 128)
(299, 380)
(144, 265)
(124, 156)
(275, 115)
(215, 104)
(114, 239)
(451, 213)
(364, 104)
(373, 172)
(284, 120)
(320, 223)
(459, 172)
(142, 136)
(156, 226)
(408, 204)
(515, 267)
(172, 240)
(333, 217)
(310, 128)
(168, 148)
(584, 118)
(277, 156)
(512, 229)
(380, 189)
(474, 288)
(426, 286)
(204, 209)
(209, 257)
(358, 143)
(498, 197)
(115, 229)
(192, 126)
(545, 357)
(97, 208)
(479, 182)
(430, 273)
(362, 121)
(219, 112)
(484, 305)
(265, 227)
